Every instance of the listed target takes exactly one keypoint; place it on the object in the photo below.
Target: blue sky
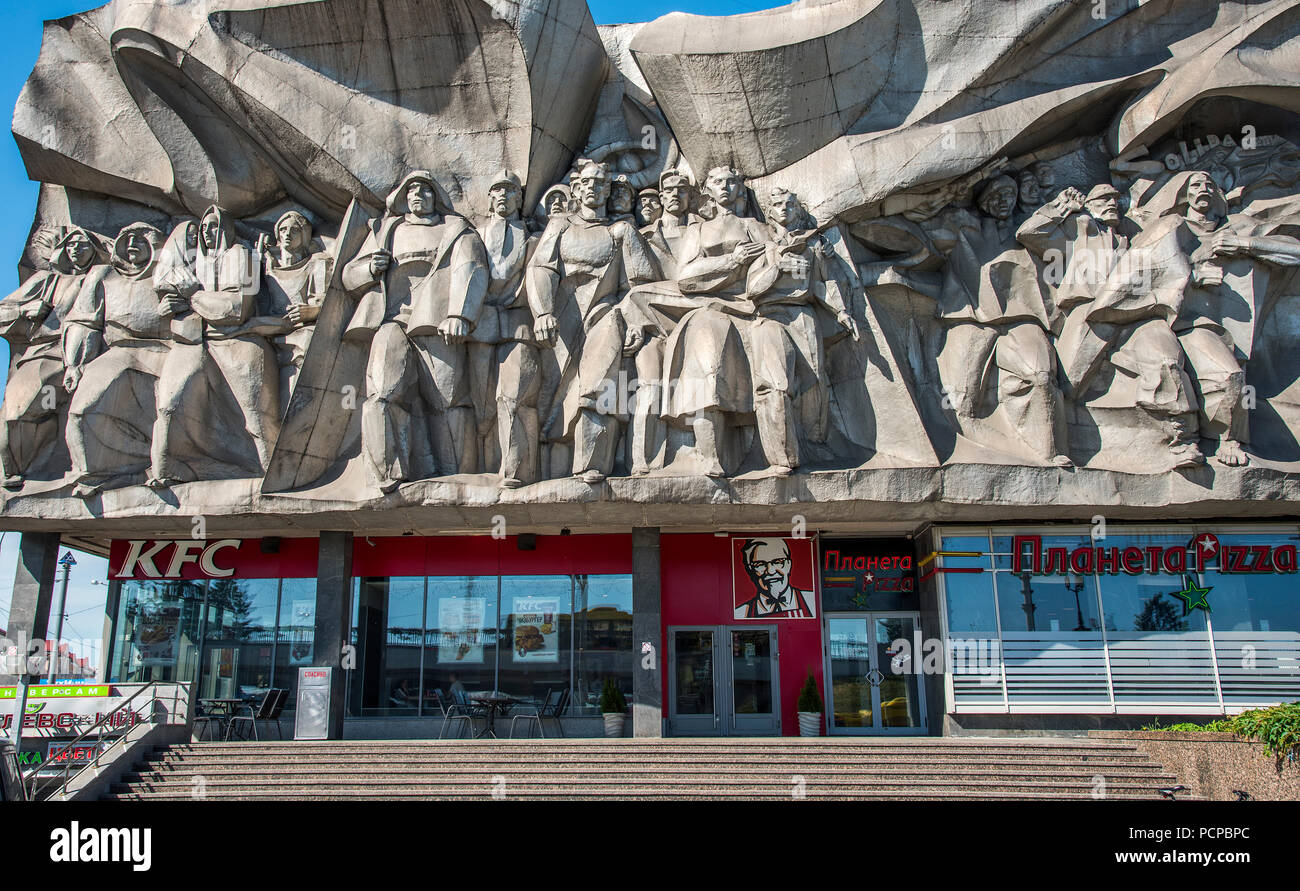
(21, 24)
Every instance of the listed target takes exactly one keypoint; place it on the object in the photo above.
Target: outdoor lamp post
(1076, 588)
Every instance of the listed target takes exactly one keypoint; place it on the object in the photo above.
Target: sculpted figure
(1198, 260)
(32, 320)
(648, 207)
(218, 394)
(622, 200)
(505, 373)
(557, 200)
(705, 357)
(295, 280)
(115, 350)
(1028, 193)
(579, 273)
(997, 323)
(787, 359)
(1046, 177)
(422, 277)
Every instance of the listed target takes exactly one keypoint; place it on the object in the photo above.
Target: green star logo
(1193, 596)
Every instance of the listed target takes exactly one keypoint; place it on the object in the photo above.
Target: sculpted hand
(1071, 200)
(545, 330)
(36, 311)
(71, 378)
(848, 324)
(1226, 244)
(746, 253)
(379, 261)
(632, 341)
(454, 330)
(172, 305)
(300, 314)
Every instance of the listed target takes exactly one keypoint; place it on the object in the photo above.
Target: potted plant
(810, 708)
(613, 706)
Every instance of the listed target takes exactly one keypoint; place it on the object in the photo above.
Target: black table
(494, 703)
(221, 709)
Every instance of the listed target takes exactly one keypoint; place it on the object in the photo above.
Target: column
(647, 685)
(333, 614)
(29, 605)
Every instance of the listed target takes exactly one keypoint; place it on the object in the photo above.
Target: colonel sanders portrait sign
(774, 578)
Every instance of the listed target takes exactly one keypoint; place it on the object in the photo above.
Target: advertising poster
(536, 624)
(774, 578)
(460, 629)
(156, 633)
(302, 633)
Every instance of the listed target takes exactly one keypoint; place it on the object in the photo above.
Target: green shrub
(809, 699)
(611, 698)
(1278, 727)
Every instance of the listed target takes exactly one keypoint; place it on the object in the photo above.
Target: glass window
(296, 633)
(460, 641)
(389, 633)
(1047, 603)
(602, 620)
(969, 595)
(157, 633)
(537, 635)
(1253, 601)
(238, 651)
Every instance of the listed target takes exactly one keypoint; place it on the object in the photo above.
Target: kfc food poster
(774, 577)
(460, 630)
(536, 629)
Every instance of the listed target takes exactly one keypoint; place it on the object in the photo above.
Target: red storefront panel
(696, 579)
(392, 556)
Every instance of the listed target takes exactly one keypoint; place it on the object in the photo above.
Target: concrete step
(648, 793)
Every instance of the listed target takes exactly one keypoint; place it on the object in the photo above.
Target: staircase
(639, 769)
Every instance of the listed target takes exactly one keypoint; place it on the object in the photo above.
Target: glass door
(875, 686)
(723, 681)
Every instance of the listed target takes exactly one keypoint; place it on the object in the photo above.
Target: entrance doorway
(870, 691)
(723, 681)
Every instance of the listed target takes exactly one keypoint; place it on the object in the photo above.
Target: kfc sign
(166, 559)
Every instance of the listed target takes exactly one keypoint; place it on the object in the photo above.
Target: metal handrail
(98, 729)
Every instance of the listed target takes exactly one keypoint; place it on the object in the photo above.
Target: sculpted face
(292, 237)
(1045, 175)
(724, 186)
(79, 250)
(1105, 209)
(137, 249)
(505, 200)
(556, 204)
(999, 199)
(769, 565)
(649, 206)
(676, 199)
(210, 231)
(785, 209)
(1030, 195)
(419, 198)
(1201, 192)
(592, 187)
(621, 198)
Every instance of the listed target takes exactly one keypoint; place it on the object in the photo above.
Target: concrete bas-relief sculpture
(838, 252)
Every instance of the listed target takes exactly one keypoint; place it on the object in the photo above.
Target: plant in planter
(809, 707)
(613, 706)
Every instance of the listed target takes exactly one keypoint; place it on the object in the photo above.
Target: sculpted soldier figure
(422, 277)
(622, 200)
(648, 207)
(218, 394)
(1175, 317)
(787, 359)
(295, 280)
(705, 359)
(32, 320)
(998, 325)
(580, 271)
(115, 349)
(504, 371)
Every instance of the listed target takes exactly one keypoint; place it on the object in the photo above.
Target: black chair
(268, 712)
(204, 719)
(552, 707)
(451, 714)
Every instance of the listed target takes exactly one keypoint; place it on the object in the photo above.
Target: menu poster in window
(156, 632)
(460, 629)
(774, 578)
(302, 632)
(536, 629)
